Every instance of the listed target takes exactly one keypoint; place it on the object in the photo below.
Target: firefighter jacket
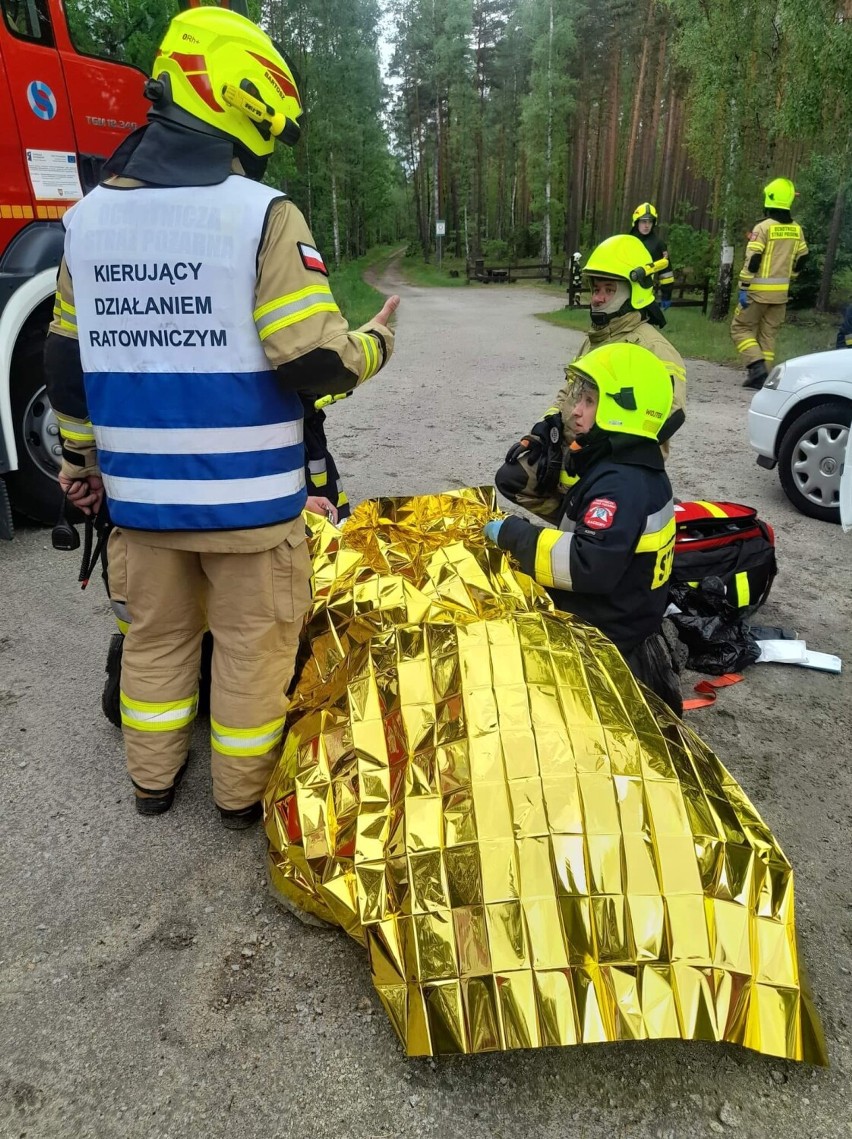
(631, 328)
(198, 313)
(658, 252)
(610, 559)
(844, 333)
(773, 257)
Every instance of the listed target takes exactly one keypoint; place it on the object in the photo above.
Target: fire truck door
(40, 105)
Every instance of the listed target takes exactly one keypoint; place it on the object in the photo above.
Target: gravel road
(150, 986)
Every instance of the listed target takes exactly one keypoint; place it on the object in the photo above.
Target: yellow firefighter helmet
(218, 73)
(623, 257)
(634, 388)
(779, 194)
(645, 210)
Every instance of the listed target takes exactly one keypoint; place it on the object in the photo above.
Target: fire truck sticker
(41, 100)
(53, 174)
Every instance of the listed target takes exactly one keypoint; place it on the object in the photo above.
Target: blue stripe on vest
(189, 399)
(202, 468)
(239, 516)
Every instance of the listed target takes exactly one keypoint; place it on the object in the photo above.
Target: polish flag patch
(311, 258)
(600, 514)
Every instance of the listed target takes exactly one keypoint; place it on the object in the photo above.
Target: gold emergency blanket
(533, 850)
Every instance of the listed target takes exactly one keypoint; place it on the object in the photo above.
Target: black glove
(549, 465)
(529, 446)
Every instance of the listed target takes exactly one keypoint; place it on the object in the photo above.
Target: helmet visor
(577, 385)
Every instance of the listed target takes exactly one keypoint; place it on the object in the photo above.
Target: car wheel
(810, 459)
(33, 488)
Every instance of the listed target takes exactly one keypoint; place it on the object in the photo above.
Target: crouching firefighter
(192, 428)
(610, 558)
(534, 474)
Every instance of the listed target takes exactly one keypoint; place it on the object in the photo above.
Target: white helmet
(577, 256)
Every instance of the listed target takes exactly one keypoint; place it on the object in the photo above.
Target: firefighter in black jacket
(645, 228)
(610, 558)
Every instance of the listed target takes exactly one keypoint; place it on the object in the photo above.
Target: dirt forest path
(152, 990)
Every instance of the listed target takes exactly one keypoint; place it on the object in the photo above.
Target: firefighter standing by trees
(622, 300)
(189, 419)
(775, 253)
(644, 227)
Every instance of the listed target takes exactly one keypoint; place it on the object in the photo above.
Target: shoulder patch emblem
(600, 514)
(311, 258)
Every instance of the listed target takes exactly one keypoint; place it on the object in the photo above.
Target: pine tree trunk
(548, 182)
(608, 210)
(335, 221)
(831, 249)
(722, 296)
(634, 119)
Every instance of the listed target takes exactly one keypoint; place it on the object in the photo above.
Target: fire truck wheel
(33, 488)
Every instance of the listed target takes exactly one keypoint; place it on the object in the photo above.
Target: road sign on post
(440, 233)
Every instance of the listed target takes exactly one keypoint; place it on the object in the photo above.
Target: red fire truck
(64, 108)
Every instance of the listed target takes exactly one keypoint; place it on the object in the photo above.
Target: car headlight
(774, 377)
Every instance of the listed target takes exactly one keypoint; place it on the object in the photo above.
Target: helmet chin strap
(617, 304)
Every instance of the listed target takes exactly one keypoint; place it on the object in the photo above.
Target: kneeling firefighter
(610, 558)
(534, 474)
(192, 427)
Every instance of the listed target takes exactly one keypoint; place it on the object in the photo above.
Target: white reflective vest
(193, 428)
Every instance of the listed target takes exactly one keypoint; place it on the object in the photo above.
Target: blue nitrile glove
(743, 298)
(492, 529)
(665, 305)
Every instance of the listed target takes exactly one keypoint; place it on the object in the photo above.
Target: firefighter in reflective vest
(609, 558)
(533, 474)
(193, 307)
(775, 253)
(645, 228)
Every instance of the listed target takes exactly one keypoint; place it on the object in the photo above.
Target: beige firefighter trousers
(254, 605)
(754, 330)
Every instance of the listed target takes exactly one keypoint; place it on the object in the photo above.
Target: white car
(799, 422)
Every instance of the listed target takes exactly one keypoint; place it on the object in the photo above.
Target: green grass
(417, 272)
(358, 300)
(695, 336)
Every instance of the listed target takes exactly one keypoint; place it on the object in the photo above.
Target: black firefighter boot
(756, 375)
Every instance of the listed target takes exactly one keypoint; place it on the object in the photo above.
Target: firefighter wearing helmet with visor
(534, 475)
(193, 308)
(609, 558)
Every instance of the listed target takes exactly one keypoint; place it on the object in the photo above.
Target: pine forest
(533, 128)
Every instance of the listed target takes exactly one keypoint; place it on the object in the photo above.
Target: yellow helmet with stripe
(634, 388)
(216, 72)
(779, 194)
(623, 257)
(644, 210)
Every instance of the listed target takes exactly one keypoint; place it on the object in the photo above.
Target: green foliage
(697, 337)
(129, 31)
(817, 184)
(357, 300)
(691, 251)
(418, 272)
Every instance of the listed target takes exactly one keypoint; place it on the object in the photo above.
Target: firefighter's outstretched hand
(86, 494)
(387, 310)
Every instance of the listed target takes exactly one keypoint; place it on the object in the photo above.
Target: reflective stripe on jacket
(780, 246)
(611, 557)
